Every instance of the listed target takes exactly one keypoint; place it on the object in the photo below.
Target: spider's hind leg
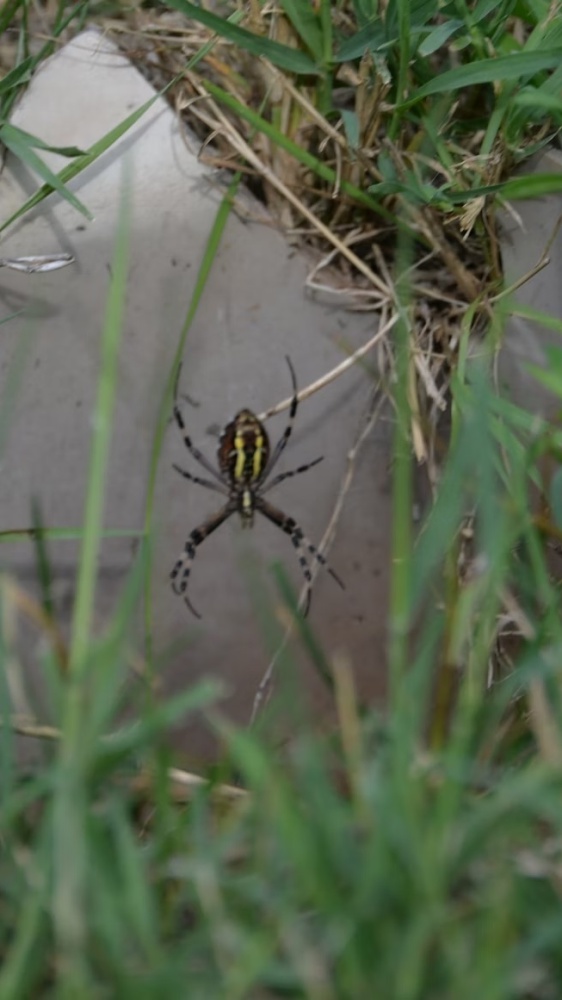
(301, 545)
(182, 568)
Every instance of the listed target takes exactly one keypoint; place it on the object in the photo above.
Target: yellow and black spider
(245, 463)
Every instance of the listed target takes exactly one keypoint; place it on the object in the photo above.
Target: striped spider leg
(245, 462)
(196, 538)
(300, 542)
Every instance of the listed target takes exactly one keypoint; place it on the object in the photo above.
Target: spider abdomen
(243, 450)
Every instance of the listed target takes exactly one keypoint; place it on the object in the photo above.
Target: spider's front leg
(289, 475)
(282, 442)
(198, 455)
(218, 488)
(182, 568)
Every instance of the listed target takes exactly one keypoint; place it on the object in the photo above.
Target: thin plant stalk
(70, 805)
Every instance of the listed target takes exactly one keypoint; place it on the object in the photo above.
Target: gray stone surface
(526, 236)
(254, 312)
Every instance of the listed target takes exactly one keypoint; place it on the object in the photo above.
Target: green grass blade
(144, 731)
(307, 636)
(404, 46)
(535, 98)
(537, 316)
(8, 13)
(99, 147)
(371, 38)
(402, 544)
(18, 75)
(524, 186)
(63, 18)
(19, 144)
(101, 442)
(36, 143)
(207, 261)
(77, 166)
(532, 186)
(439, 36)
(307, 26)
(138, 893)
(65, 534)
(257, 45)
(20, 964)
(70, 806)
(522, 64)
(43, 565)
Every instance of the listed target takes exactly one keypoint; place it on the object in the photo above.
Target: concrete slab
(526, 236)
(254, 312)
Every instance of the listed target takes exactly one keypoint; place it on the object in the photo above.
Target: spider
(245, 463)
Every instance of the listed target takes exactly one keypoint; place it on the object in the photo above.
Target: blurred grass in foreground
(415, 855)
(412, 856)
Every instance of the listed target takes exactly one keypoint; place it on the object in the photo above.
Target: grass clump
(414, 853)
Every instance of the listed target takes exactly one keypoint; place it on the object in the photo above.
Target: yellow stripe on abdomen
(240, 457)
(258, 455)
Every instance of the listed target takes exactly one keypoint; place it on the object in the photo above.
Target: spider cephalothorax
(245, 462)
